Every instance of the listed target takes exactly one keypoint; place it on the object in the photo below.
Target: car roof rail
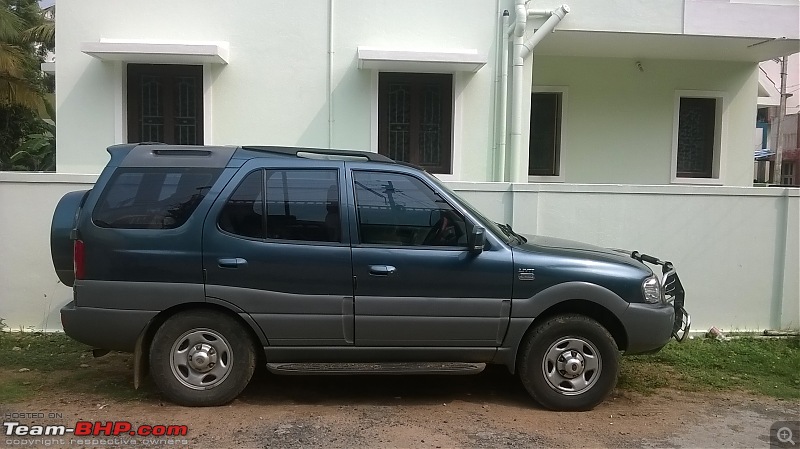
(322, 153)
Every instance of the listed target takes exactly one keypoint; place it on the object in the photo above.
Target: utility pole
(777, 174)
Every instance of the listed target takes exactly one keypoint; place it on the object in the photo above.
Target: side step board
(449, 368)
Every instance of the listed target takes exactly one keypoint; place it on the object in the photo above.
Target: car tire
(201, 358)
(569, 363)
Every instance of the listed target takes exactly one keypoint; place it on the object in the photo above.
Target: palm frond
(12, 60)
(44, 33)
(11, 25)
(16, 91)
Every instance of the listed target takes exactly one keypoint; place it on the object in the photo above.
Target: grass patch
(36, 362)
(43, 352)
(765, 366)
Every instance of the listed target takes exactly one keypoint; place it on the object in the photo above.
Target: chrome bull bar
(673, 291)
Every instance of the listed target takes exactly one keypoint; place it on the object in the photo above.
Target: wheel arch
(591, 300)
(145, 339)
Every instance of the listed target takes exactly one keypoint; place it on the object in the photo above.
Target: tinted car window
(398, 209)
(243, 213)
(303, 205)
(152, 198)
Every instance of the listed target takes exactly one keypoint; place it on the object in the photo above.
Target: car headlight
(651, 289)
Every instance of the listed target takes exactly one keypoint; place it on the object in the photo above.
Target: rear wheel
(201, 358)
(569, 362)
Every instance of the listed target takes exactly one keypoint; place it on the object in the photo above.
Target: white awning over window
(446, 61)
(157, 52)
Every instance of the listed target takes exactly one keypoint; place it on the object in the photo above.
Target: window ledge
(446, 177)
(697, 181)
(157, 52)
(559, 178)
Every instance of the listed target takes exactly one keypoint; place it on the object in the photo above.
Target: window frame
(456, 138)
(562, 150)
(356, 220)
(124, 118)
(416, 79)
(720, 140)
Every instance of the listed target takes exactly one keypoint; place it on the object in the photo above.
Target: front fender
(525, 310)
(543, 300)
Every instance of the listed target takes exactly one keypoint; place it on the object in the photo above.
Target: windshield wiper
(506, 228)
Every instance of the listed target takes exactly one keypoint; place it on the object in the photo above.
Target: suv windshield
(503, 232)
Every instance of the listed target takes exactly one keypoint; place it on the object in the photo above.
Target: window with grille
(165, 103)
(697, 137)
(415, 119)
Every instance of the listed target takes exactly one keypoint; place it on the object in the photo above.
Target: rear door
(274, 246)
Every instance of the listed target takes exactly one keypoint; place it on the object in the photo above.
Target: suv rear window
(152, 198)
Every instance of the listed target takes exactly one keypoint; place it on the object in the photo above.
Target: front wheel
(201, 358)
(569, 362)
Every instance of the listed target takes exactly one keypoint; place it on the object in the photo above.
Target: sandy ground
(490, 410)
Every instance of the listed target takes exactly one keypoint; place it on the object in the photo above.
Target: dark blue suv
(204, 260)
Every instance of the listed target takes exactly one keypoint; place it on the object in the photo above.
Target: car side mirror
(476, 240)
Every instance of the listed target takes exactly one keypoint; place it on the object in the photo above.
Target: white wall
(275, 88)
(619, 120)
(32, 294)
(733, 247)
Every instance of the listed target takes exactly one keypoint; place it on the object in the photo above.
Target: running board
(450, 368)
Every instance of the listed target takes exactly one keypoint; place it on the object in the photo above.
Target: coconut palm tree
(26, 142)
(21, 27)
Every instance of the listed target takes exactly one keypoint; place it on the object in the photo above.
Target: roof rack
(310, 153)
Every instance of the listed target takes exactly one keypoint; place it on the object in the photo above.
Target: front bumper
(673, 292)
(676, 295)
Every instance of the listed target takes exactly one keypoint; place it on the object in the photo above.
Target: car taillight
(78, 259)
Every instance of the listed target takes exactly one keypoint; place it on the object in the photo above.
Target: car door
(274, 246)
(416, 282)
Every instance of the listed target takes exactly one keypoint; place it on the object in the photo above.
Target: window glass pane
(303, 205)
(152, 198)
(696, 131)
(397, 209)
(243, 214)
(545, 141)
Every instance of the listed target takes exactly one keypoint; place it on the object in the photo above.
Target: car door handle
(381, 270)
(232, 263)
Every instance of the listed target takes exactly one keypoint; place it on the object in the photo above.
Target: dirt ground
(489, 410)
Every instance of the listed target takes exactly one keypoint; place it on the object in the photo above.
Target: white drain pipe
(518, 170)
(500, 168)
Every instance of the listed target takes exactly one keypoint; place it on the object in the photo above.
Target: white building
(643, 117)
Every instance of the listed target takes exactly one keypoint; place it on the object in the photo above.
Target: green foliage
(37, 152)
(765, 366)
(40, 351)
(26, 142)
(46, 362)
